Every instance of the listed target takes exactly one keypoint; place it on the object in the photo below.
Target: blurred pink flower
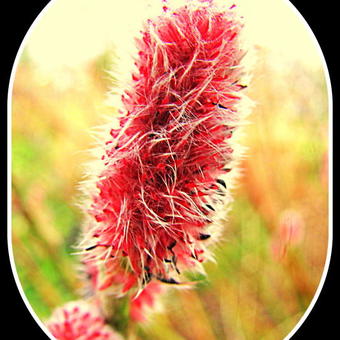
(79, 320)
(291, 227)
(289, 232)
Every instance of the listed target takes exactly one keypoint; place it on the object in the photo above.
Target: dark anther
(226, 169)
(221, 181)
(90, 248)
(147, 275)
(204, 236)
(210, 207)
(167, 261)
(220, 193)
(171, 280)
(221, 106)
(117, 147)
(172, 244)
(174, 261)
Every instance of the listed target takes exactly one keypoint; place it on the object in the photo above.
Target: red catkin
(164, 169)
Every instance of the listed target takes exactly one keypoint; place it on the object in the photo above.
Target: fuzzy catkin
(164, 172)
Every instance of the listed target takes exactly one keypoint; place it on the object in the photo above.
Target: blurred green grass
(251, 292)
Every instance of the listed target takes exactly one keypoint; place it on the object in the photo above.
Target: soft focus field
(270, 259)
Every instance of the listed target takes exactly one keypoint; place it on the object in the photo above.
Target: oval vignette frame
(330, 108)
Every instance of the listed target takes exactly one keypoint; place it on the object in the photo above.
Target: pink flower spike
(164, 179)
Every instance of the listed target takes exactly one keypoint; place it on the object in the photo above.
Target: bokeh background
(270, 259)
